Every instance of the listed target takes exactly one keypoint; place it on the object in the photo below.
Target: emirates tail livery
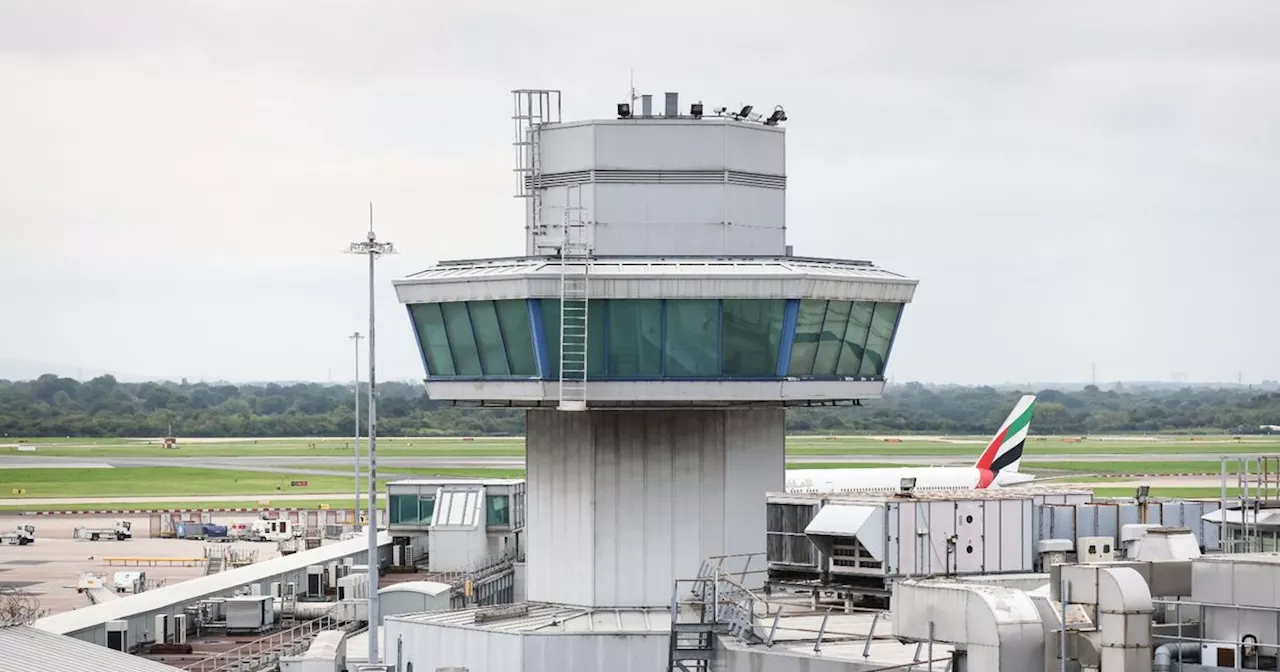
(996, 467)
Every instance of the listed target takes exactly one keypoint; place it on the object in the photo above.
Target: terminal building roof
(214, 585)
(23, 647)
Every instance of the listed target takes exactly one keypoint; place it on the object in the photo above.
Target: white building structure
(656, 330)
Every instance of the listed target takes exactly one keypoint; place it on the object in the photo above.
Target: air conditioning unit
(162, 628)
(316, 580)
(118, 635)
(1053, 552)
(1095, 549)
(180, 629)
(277, 589)
(1220, 655)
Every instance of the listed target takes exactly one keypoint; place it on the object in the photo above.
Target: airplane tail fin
(1004, 453)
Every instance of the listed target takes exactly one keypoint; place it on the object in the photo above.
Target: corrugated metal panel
(27, 648)
(431, 648)
(591, 653)
(430, 588)
(192, 590)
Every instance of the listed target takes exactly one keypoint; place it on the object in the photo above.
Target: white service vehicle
(122, 530)
(129, 582)
(272, 530)
(25, 534)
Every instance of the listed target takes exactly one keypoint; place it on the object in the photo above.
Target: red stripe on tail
(989, 455)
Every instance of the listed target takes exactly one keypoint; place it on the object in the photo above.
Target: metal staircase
(716, 602)
(575, 267)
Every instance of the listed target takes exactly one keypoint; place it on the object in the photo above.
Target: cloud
(1072, 182)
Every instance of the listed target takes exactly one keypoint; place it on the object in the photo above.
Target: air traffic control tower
(656, 329)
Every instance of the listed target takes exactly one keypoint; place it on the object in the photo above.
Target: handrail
(271, 648)
(479, 568)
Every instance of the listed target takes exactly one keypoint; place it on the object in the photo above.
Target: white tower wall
(665, 186)
(621, 503)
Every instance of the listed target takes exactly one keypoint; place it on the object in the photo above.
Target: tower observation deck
(656, 330)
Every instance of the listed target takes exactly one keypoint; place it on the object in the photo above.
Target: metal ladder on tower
(533, 108)
(575, 272)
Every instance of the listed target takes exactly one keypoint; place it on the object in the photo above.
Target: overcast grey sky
(1072, 182)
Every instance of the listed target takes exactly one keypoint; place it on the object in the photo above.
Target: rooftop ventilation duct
(1124, 608)
(646, 105)
(673, 104)
(999, 629)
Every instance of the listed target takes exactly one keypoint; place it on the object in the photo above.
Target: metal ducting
(1183, 652)
(999, 629)
(1124, 611)
(1080, 649)
(1165, 543)
(862, 522)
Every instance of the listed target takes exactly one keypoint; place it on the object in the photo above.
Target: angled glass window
(551, 334)
(752, 336)
(855, 338)
(462, 341)
(595, 336)
(484, 323)
(403, 509)
(497, 510)
(635, 338)
(808, 331)
(429, 323)
(692, 337)
(833, 328)
(426, 508)
(517, 336)
(882, 323)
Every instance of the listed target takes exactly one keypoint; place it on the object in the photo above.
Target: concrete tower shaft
(622, 503)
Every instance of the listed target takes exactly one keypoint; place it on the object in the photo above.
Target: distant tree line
(53, 406)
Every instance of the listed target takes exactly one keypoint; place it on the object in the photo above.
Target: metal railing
(267, 651)
(477, 569)
(720, 599)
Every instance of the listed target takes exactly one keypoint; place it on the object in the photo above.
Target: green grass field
(88, 448)
(161, 481)
(187, 481)
(1173, 492)
(163, 506)
(1149, 467)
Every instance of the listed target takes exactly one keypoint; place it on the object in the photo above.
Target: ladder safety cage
(575, 274)
(532, 109)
